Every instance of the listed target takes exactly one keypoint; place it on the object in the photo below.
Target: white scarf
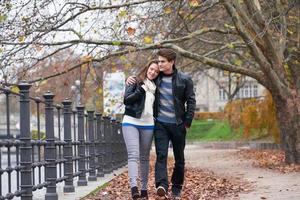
(150, 88)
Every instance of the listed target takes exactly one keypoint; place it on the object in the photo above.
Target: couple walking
(159, 100)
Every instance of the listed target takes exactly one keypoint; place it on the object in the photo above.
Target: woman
(138, 125)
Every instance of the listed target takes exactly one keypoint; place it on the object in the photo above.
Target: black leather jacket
(134, 100)
(183, 92)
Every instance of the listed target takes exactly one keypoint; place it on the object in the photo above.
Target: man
(173, 112)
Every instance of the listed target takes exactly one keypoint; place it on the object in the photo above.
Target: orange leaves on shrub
(250, 115)
(233, 111)
(254, 114)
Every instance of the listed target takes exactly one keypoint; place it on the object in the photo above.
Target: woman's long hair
(142, 75)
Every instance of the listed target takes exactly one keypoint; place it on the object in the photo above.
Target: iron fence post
(68, 166)
(25, 148)
(114, 144)
(81, 147)
(99, 146)
(110, 145)
(119, 145)
(91, 137)
(107, 146)
(50, 150)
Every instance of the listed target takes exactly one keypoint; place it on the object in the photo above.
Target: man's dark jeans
(163, 133)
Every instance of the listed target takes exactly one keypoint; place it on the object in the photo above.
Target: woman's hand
(130, 80)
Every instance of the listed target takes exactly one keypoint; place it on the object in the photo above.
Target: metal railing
(87, 145)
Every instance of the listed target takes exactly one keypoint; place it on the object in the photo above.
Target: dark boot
(135, 193)
(176, 192)
(144, 194)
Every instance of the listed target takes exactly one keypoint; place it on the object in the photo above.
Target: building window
(242, 93)
(255, 91)
(246, 91)
(250, 91)
(222, 94)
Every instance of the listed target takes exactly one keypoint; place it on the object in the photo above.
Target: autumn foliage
(258, 115)
(209, 115)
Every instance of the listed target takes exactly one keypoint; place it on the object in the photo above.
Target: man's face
(164, 65)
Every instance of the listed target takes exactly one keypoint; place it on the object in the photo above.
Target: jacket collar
(161, 74)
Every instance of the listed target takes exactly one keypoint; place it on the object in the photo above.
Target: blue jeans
(163, 134)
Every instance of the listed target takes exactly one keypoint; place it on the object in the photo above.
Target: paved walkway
(267, 184)
(81, 191)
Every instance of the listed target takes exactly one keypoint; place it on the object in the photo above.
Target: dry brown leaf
(270, 159)
(199, 184)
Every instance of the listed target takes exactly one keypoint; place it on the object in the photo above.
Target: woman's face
(153, 71)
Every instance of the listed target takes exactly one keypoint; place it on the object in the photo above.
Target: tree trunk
(288, 116)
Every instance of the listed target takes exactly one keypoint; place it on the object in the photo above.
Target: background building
(212, 87)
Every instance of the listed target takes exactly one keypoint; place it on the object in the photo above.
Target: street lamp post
(77, 94)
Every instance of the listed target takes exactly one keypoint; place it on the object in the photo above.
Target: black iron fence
(75, 143)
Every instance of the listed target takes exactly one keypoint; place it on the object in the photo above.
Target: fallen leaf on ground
(199, 184)
(269, 159)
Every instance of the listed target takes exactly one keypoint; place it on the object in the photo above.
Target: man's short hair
(167, 53)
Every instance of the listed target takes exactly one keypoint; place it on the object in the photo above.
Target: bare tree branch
(257, 53)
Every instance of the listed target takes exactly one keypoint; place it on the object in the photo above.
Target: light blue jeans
(138, 144)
